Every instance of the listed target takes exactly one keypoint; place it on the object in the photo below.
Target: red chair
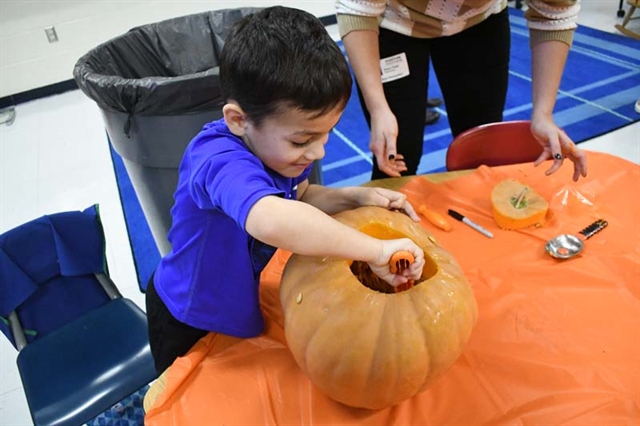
(494, 144)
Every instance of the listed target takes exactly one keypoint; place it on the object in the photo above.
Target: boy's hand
(392, 200)
(381, 266)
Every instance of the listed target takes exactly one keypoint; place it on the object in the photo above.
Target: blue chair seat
(65, 386)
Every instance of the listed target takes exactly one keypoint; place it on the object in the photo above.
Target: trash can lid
(165, 68)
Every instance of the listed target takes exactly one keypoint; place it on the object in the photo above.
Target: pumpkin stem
(520, 201)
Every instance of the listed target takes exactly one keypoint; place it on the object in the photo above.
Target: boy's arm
(303, 229)
(335, 200)
(329, 200)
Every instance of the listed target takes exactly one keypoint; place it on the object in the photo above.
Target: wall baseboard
(67, 85)
(40, 92)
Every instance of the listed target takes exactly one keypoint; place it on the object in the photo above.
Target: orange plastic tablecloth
(556, 342)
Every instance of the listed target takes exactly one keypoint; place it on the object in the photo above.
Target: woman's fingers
(576, 155)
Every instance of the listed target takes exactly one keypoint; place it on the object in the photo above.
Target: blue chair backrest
(47, 269)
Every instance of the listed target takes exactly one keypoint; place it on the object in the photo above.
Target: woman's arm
(364, 57)
(548, 61)
(552, 24)
(363, 52)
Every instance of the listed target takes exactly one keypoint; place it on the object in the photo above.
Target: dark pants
(472, 68)
(168, 337)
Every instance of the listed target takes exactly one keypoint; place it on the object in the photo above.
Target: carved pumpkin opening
(365, 275)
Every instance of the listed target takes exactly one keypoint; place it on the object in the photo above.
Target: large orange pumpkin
(357, 340)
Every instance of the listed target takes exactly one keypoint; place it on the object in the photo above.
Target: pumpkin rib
(415, 373)
(363, 363)
(380, 355)
(441, 323)
(309, 293)
(314, 344)
(429, 361)
(371, 349)
(372, 357)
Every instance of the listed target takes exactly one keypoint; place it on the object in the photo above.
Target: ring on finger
(558, 156)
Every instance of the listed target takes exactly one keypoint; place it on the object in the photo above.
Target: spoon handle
(594, 228)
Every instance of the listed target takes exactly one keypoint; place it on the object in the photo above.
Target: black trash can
(156, 86)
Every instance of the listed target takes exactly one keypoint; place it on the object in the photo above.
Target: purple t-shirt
(210, 278)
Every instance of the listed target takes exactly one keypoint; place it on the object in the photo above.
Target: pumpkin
(515, 205)
(357, 340)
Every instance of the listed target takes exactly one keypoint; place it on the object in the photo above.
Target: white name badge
(394, 67)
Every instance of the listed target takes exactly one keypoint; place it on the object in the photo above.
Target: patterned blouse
(547, 19)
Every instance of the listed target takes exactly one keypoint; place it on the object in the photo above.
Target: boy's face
(289, 142)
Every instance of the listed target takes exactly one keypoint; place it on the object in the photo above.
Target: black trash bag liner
(166, 68)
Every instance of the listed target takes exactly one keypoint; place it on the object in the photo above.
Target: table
(556, 341)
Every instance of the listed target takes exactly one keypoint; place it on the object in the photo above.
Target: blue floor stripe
(344, 162)
(608, 104)
(620, 46)
(634, 75)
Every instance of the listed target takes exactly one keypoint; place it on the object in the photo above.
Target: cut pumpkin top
(515, 205)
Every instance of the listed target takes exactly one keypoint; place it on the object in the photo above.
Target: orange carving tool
(400, 261)
(435, 218)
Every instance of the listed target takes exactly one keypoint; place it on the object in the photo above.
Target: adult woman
(391, 43)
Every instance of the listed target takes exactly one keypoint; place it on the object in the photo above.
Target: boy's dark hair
(283, 57)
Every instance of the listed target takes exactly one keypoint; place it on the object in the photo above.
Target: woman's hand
(382, 143)
(557, 145)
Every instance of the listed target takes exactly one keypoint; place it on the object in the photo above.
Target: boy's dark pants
(168, 337)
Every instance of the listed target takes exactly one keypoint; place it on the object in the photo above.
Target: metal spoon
(566, 246)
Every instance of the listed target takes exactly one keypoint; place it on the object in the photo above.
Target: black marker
(454, 214)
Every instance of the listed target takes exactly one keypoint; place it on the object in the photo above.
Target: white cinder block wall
(28, 61)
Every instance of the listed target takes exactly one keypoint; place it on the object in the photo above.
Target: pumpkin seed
(299, 298)
(433, 240)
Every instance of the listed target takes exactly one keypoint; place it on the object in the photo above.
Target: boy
(243, 188)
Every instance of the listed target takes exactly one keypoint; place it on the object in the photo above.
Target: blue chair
(82, 346)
